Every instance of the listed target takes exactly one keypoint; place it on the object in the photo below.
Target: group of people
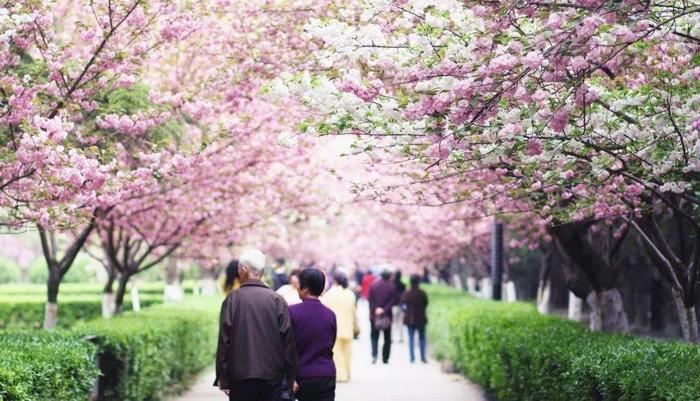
(295, 343)
(391, 305)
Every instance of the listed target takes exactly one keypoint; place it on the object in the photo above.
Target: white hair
(254, 260)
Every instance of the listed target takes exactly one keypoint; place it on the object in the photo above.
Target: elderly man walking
(256, 349)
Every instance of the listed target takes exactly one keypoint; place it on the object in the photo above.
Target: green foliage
(38, 272)
(38, 365)
(125, 100)
(141, 356)
(191, 274)
(34, 68)
(148, 355)
(27, 311)
(132, 101)
(154, 288)
(520, 354)
(80, 272)
(9, 271)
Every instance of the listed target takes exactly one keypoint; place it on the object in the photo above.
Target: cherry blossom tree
(587, 108)
(249, 168)
(58, 60)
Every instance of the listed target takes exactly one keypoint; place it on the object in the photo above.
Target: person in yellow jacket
(341, 301)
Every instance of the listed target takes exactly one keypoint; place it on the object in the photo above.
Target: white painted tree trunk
(456, 282)
(510, 292)
(693, 317)
(687, 318)
(108, 304)
(208, 286)
(471, 285)
(135, 301)
(486, 290)
(173, 293)
(575, 307)
(50, 315)
(607, 311)
(544, 297)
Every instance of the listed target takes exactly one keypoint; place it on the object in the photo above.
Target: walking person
(398, 314)
(315, 332)
(290, 291)
(382, 297)
(367, 281)
(256, 348)
(341, 300)
(415, 302)
(359, 275)
(231, 282)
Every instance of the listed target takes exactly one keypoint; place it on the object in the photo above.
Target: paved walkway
(399, 380)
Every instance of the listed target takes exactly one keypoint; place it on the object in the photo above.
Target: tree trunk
(208, 286)
(135, 301)
(607, 311)
(471, 285)
(687, 317)
(59, 267)
(485, 288)
(457, 282)
(544, 295)
(121, 290)
(575, 307)
(444, 273)
(108, 304)
(173, 289)
(676, 269)
(463, 280)
(509, 292)
(51, 309)
(544, 289)
(173, 292)
(694, 330)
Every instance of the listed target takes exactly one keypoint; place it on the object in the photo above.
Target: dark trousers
(421, 341)
(256, 390)
(386, 348)
(316, 389)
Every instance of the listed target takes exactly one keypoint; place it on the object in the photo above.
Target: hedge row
(519, 354)
(146, 355)
(27, 311)
(149, 287)
(37, 365)
(141, 356)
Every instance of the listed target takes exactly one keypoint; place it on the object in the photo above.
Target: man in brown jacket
(256, 348)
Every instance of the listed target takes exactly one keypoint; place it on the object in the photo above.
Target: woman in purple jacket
(315, 330)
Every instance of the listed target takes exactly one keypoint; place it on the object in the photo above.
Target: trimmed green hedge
(141, 356)
(45, 366)
(27, 311)
(155, 288)
(147, 355)
(520, 354)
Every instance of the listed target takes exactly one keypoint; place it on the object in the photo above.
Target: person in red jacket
(367, 281)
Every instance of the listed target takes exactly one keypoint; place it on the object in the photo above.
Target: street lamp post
(497, 261)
